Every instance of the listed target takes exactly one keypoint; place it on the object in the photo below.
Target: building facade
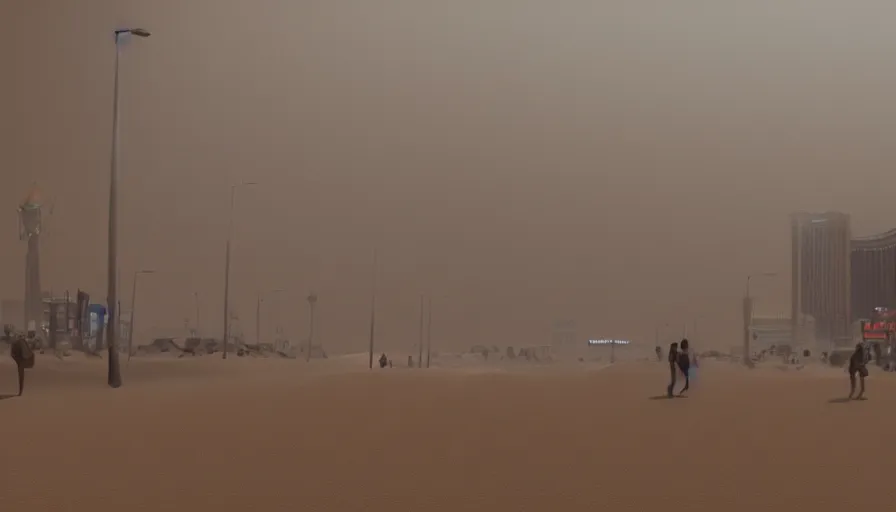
(873, 269)
(821, 285)
(837, 279)
(29, 231)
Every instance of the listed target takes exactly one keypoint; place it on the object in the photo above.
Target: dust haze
(623, 164)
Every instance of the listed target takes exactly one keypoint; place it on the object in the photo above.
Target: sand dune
(204, 434)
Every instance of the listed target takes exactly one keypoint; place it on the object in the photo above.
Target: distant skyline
(623, 165)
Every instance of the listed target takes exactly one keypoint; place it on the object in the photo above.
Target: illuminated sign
(877, 330)
(881, 325)
(608, 342)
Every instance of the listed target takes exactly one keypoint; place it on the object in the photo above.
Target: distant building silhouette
(836, 278)
(873, 273)
(29, 231)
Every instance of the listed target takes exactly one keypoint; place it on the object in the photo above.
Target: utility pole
(429, 332)
(420, 342)
(312, 301)
(196, 296)
(373, 310)
(258, 319)
(112, 302)
(227, 264)
(748, 317)
(133, 311)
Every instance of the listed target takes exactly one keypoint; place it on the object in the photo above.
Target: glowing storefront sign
(608, 342)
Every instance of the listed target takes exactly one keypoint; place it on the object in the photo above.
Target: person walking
(673, 370)
(684, 364)
(857, 366)
(23, 355)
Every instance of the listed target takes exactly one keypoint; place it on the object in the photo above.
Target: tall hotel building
(873, 272)
(820, 277)
(837, 279)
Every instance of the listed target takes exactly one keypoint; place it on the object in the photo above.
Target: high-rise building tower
(29, 231)
(873, 273)
(821, 284)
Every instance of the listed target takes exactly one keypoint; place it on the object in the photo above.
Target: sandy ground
(275, 435)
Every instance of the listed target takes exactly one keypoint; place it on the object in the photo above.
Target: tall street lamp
(260, 299)
(227, 264)
(429, 331)
(372, 311)
(748, 315)
(196, 330)
(114, 375)
(422, 339)
(134, 310)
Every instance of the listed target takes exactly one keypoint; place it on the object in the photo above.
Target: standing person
(684, 364)
(673, 360)
(22, 353)
(857, 366)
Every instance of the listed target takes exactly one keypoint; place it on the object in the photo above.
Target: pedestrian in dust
(857, 366)
(22, 353)
(684, 364)
(673, 370)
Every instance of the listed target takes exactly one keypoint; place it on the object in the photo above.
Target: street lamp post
(312, 302)
(372, 312)
(134, 311)
(261, 297)
(429, 332)
(421, 339)
(748, 314)
(196, 297)
(114, 374)
(227, 264)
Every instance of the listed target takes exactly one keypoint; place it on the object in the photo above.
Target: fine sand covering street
(269, 435)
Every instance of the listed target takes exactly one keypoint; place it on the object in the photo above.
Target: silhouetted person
(684, 364)
(23, 355)
(673, 361)
(659, 353)
(857, 367)
(383, 361)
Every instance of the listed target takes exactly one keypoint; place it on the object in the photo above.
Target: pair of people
(680, 360)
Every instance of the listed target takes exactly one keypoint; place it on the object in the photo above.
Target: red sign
(877, 330)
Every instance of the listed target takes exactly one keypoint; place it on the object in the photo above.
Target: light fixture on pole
(748, 316)
(114, 371)
(227, 264)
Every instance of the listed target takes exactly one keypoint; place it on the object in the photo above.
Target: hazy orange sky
(621, 163)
